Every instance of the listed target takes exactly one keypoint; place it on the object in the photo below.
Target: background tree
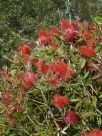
(22, 19)
(85, 9)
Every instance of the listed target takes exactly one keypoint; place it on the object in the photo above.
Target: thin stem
(44, 98)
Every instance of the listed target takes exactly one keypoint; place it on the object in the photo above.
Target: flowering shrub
(54, 86)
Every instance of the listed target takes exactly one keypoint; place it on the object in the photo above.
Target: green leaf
(75, 100)
(78, 104)
(86, 75)
(49, 51)
(13, 72)
(6, 122)
(82, 63)
(94, 102)
(12, 135)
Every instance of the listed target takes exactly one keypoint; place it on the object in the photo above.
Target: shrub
(53, 86)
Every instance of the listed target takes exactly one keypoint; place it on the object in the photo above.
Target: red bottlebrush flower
(8, 99)
(27, 87)
(62, 70)
(60, 101)
(42, 66)
(55, 32)
(94, 132)
(54, 46)
(70, 36)
(44, 37)
(87, 52)
(68, 30)
(17, 108)
(66, 26)
(55, 82)
(24, 49)
(87, 35)
(30, 78)
(71, 118)
(12, 121)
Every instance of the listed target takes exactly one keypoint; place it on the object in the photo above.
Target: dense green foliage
(22, 19)
(86, 9)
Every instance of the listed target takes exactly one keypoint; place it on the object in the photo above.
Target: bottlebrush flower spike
(66, 26)
(30, 78)
(7, 99)
(94, 132)
(87, 35)
(54, 31)
(71, 118)
(70, 36)
(55, 82)
(27, 87)
(68, 29)
(24, 49)
(62, 70)
(87, 52)
(60, 101)
(42, 66)
(44, 37)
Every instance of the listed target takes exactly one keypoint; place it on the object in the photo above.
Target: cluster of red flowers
(88, 50)
(24, 49)
(70, 31)
(42, 66)
(62, 71)
(60, 102)
(10, 109)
